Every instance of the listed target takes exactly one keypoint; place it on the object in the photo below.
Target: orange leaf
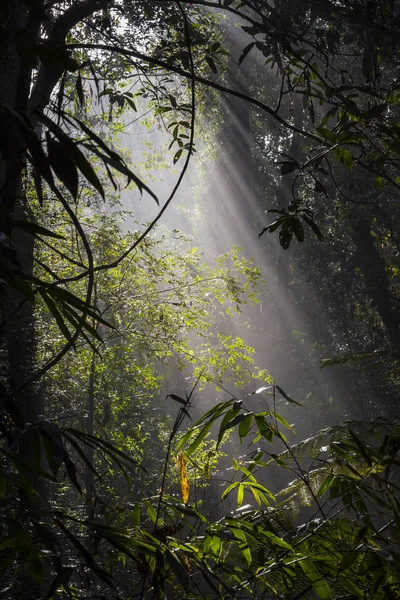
(185, 486)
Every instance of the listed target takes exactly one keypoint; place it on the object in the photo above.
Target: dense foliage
(112, 330)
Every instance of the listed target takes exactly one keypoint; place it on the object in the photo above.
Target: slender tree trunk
(89, 428)
(284, 196)
(373, 268)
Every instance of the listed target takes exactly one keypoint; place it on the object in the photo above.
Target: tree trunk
(373, 269)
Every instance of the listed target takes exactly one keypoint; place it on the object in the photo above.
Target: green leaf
(325, 485)
(61, 579)
(135, 515)
(228, 422)
(152, 512)
(200, 437)
(327, 134)
(177, 155)
(240, 494)
(35, 229)
(63, 166)
(229, 489)
(361, 447)
(245, 425)
(282, 421)
(288, 398)
(178, 569)
(211, 64)
(57, 316)
(39, 158)
(71, 470)
(318, 582)
(87, 557)
(266, 430)
(298, 229)
(344, 156)
(312, 226)
(244, 546)
(82, 455)
(348, 560)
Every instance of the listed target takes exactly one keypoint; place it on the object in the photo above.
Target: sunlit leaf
(183, 478)
(318, 581)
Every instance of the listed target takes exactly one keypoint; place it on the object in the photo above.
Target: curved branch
(199, 79)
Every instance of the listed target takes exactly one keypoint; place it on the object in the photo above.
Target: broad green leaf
(318, 581)
(266, 430)
(200, 437)
(152, 512)
(178, 569)
(244, 546)
(327, 134)
(135, 515)
(325, 485)
(348, 560)
(344, 156)
(245, 425)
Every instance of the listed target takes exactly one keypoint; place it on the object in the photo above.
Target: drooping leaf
(318, 581)
(211, 63)
(183, 478)
(245, 425)
(245, 52)
(79, 90)
(35, 229)
(63, 166)
(86, 556)
(285, 395)
(288, 167)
